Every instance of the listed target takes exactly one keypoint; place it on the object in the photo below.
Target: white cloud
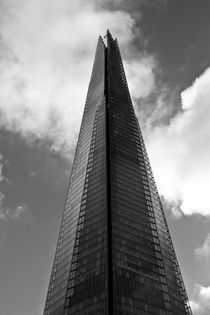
(5, 212)
(46, 60)
(204, 250)
(180, 152)
(176, 211)
(19, 211)
(200, 302)
(11, 213)
(45, 69)
(140, 76)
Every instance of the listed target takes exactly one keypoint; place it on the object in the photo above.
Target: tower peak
(114, 253)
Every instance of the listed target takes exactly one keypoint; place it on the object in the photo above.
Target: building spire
(114, 253)
(108, 36)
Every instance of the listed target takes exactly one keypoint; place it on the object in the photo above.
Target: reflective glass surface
(146, 276)
(80, 255)
(114, 253)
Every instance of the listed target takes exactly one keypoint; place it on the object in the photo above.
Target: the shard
(114, 254)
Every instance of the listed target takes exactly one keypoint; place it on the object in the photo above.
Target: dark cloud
(178, 36)
(131, 6)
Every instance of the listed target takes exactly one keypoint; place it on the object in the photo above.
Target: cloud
(2, 215)
(48, 49)
(1, 166)
(180, 151)
(172, 207)
(204, 250)
(134, 5)
(140, 76)
(175, 209)
(18, 211)
(2, 161)
(5, 212)
(200, 302)
(46, 59)
(11, 213)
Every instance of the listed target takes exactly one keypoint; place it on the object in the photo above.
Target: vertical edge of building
(70, 265)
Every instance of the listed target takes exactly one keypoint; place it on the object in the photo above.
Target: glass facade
(114, 253)
(78, 275)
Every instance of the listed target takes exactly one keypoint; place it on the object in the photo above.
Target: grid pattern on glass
(114, 244)
(176, 288)
(70, 221)
(86, 292)
(144, 279)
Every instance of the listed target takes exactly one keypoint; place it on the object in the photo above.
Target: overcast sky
(46, 55)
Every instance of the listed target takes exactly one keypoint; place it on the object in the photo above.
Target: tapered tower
(114, 254)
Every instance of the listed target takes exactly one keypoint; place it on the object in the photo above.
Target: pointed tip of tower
(108, 37)
(108, 34)
(101, 40)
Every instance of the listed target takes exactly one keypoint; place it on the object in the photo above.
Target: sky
(47, 49)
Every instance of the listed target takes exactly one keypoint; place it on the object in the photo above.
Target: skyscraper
(114, 253)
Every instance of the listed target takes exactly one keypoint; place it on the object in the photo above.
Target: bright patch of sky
(180, 151)
(201, 300)
(46, 66)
